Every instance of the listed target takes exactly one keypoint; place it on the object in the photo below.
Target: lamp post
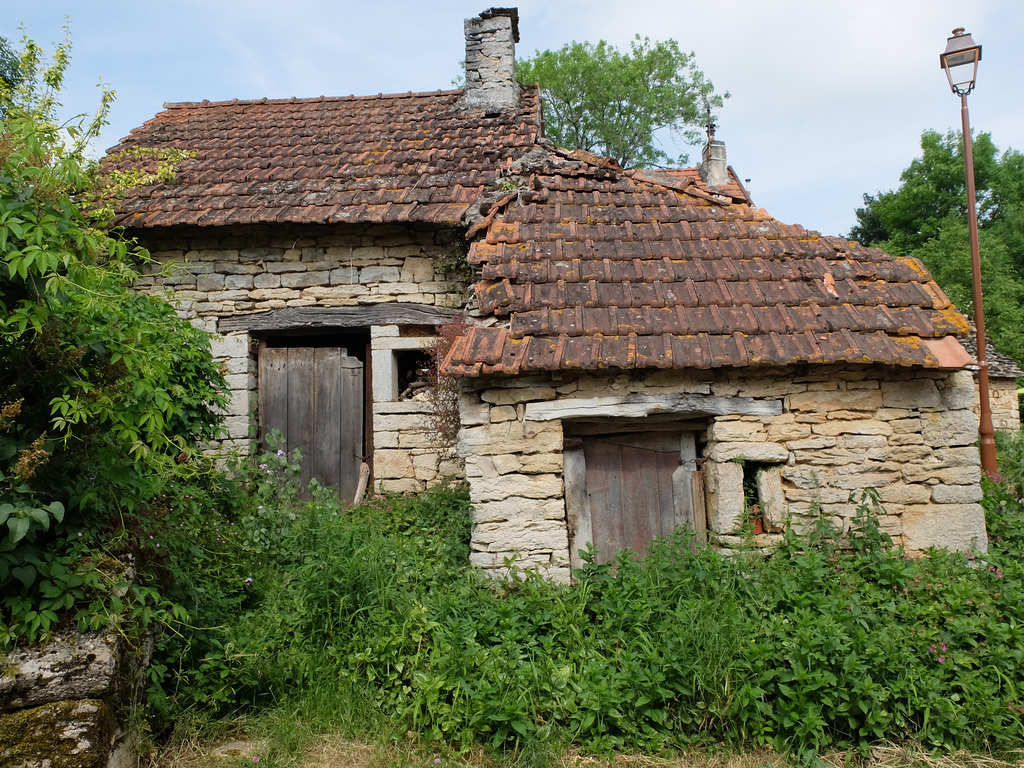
(960, 61)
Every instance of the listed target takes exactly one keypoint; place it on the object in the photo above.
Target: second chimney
(491, 41)
(714, 170)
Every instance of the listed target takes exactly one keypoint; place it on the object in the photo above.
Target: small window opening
(753, 504)
(412, 367)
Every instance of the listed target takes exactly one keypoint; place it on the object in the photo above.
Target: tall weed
(372, 619)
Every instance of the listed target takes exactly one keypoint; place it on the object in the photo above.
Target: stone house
(645, 349)
(315, 238)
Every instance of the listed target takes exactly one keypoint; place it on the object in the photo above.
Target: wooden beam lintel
(641, 406)
(303, 318)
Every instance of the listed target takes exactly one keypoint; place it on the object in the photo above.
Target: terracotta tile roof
(587, 266)
(407, 157)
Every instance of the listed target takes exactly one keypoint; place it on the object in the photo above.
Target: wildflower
(437, 761)
(931, 649)
(941, 659)
(263, 466)
(280, 452)
(248, 579)
(256, 759)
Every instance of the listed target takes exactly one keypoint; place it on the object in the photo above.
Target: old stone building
(318, 241)
(645, 349)
(653, 351)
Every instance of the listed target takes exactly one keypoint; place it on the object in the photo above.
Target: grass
(362, 637)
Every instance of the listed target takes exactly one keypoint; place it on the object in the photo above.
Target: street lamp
(960, 61)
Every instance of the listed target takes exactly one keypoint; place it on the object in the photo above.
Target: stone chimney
(714, 171)
(491, 41)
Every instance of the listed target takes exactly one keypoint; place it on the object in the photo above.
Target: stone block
(948, 475)
(344, 276)
(949, 428)
(401, 485)
(392, 464)
(772, 498)
(956, 494)
(958, 527)
(305, 279)
(867, 479)
(417, 270)
(877, 445)
(502, 413)
(787, 431)
(71, 666)
(853, 427)
(233, 346)
(334, 292)
(510, 437)
(237, 427)
(514, 396)
(519, 510)
(736, 431)
(916, 393)
(909, 453)
(238, 282)
(770, 453)
(268, 294)
(540, 463)
(725, 502)
(812, 443)
(425, 466)
(506, 463)
(906, 426)
(959, 390)
(210, 282)
(523, 536)
(266, 281)
(74, 733)
(504, 486)
(378, 274)
(425, 438)
(846, 400)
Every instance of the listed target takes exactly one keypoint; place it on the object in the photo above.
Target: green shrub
(375, 614)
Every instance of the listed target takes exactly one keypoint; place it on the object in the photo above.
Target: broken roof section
(587, 266)
(418, 157)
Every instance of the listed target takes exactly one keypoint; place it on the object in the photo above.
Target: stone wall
(1003, 403)
(909, 434)
(232, 271)
(64, 705)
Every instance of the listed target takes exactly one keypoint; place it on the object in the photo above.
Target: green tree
(104, 392)
(602, 100)
(926, 217)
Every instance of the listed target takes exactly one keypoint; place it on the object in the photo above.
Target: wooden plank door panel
(314, 397)
(623, 490)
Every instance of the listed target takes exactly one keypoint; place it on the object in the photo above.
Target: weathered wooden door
(314, 396)
(623, 490)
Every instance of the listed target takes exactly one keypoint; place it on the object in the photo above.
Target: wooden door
(314, 397)
(623, 490)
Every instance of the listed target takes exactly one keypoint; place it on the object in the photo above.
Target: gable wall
(228, 271)
(908, 433)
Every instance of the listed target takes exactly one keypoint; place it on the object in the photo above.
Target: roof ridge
(307, 99)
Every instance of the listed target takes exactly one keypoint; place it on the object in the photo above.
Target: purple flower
(437, 761)
(941, 659)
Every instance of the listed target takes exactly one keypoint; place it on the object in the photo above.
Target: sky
(828, 97)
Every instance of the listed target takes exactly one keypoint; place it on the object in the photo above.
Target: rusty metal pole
(985, 431)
